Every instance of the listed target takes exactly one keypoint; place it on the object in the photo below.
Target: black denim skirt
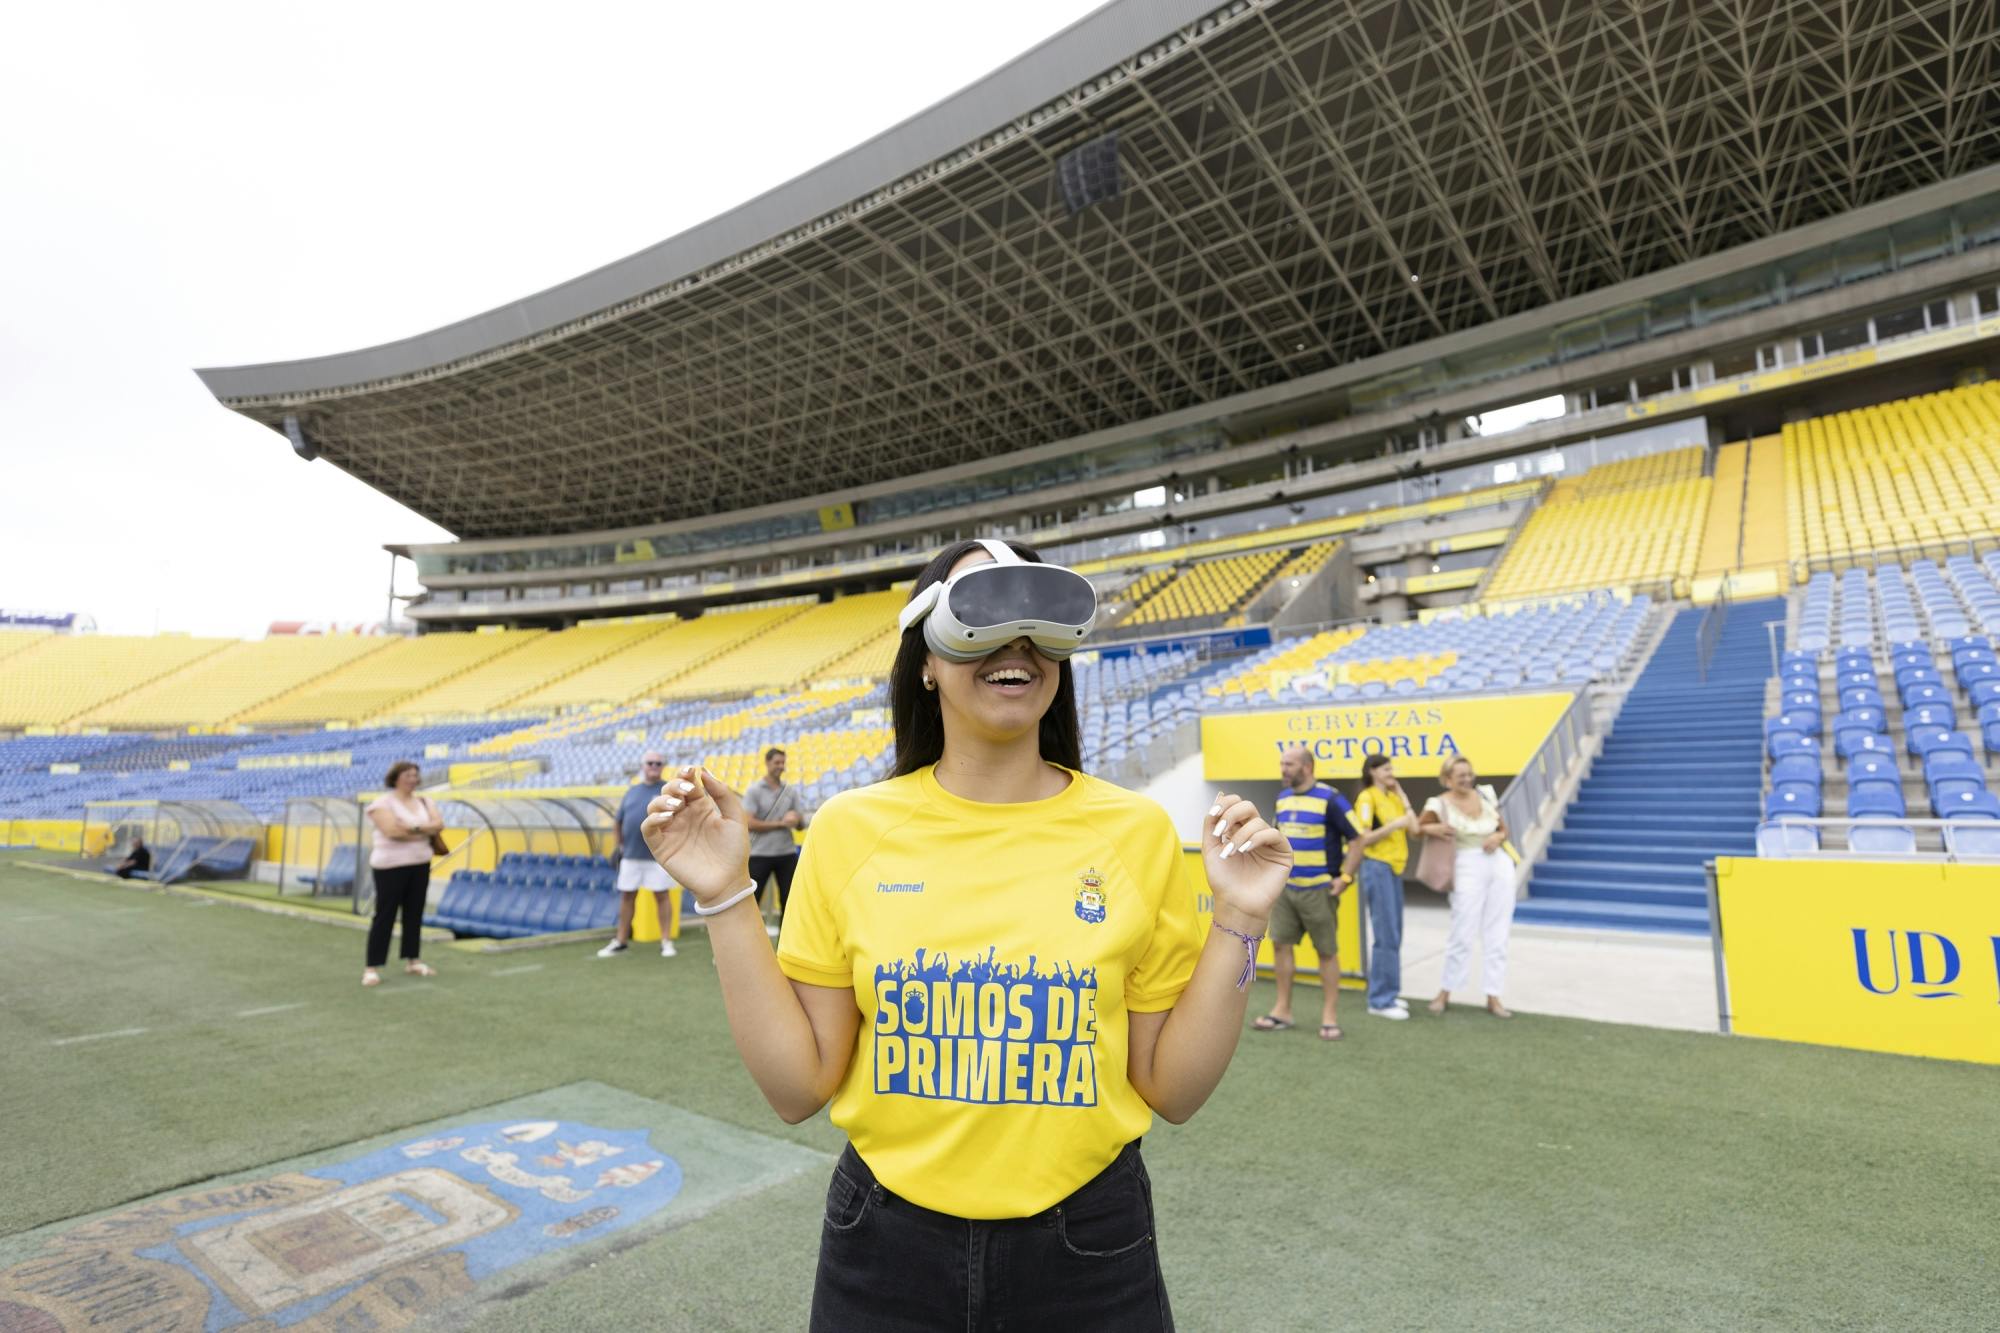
(1090, 1263)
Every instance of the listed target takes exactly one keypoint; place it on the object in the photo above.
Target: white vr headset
(986, 607)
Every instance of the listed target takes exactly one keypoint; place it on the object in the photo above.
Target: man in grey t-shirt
(774, 810)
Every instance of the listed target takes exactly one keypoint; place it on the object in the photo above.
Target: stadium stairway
(1679, 782)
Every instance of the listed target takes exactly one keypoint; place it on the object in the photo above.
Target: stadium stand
(1913, 677)
(794, 647)
(225, 684)
(1205, 590)
(1293, 572)
(378, 682)
(1635, 523)
(870, 658)
(1533, 648)
(654, 654)
(14, 641)
(63, 677)
(527, 660)
(1915, 473)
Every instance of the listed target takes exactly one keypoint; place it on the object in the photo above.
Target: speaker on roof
(1088, 174)
(296, 433)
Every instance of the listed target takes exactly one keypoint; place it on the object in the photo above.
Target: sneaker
(1394, 1013)
(666, 948)
(612, 950)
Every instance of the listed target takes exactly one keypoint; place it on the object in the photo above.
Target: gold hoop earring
(929, 684)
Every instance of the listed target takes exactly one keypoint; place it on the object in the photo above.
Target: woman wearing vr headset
(993, 966)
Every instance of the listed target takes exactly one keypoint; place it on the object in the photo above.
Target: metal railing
(1949, 831)
(1709, 633)
(1540, 778)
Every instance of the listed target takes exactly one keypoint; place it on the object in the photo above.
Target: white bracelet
(728, 902)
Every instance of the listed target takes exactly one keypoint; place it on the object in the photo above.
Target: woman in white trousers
(1482, 883)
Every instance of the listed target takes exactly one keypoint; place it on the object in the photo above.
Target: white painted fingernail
(673, 804)
(666, 814)
(1242, 846)
(1226, 850)
(1214, 810)
(686, 786)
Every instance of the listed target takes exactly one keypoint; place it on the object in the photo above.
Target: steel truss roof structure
(1305, 183)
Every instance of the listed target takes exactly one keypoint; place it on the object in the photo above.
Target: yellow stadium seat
(1635, 522)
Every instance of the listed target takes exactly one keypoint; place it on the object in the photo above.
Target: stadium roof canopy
(1303, 183)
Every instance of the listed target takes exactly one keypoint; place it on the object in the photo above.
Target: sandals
(1497, 1009)
(1271, 1023)
(1330, 1032)
(417, 968)
(370, 977)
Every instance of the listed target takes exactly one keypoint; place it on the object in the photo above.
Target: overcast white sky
(210, 184)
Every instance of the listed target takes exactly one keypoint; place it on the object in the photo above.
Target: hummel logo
(917, 887)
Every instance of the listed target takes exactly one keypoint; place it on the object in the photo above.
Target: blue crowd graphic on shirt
(986, 1031)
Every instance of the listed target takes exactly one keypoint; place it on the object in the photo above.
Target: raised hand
(1247, 860)
(697, 830)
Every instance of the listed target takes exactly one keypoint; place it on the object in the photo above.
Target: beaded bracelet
(1250, 943)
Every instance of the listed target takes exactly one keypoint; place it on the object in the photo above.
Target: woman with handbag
(1466, 819)
(408, 832)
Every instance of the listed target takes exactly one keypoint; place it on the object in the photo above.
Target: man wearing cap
(636, 867)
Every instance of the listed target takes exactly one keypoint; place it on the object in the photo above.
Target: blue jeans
(889, 1266)
(1383, 890)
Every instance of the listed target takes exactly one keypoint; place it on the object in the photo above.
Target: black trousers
(1089, 1264)
(398, 889)
(763, 867)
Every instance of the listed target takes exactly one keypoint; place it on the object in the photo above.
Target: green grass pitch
(1456, 1173)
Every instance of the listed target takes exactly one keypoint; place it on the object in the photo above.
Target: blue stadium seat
(1971, 673)
(1917, 736)
(1858, 697)
(1955, 797)
(1976, 836)
(1931, 715)
(1775, 841)
(1930, 741)
(1915, 696)
(1879, 765)
(1872, 718)
(1882, 841)
(1792, 798)
(1800, 701)
(1876, 799)
(551, 899)
(1850, 741)
(1983, 692)
(1805, 724)
(1797, 768)
(1945, 765)
(1792, 742)
(1907, 676)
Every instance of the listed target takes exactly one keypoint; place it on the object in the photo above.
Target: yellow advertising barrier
(1346, 931)
(1499, 733)
(1877, 956)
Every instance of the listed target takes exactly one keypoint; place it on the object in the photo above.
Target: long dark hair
(919, 718)
(1368, 767)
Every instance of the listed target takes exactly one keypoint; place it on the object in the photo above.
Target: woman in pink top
(404, 823)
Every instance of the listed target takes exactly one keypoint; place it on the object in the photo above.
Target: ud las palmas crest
(1090, 897)
(434, 1221)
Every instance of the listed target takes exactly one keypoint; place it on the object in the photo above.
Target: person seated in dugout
(139, 859)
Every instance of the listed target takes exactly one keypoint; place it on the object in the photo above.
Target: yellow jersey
(1375, 807)
(994, 952)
